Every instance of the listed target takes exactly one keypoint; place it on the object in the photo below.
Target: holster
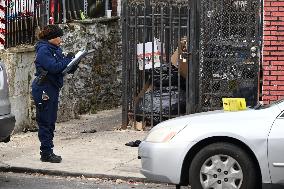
(42, 77)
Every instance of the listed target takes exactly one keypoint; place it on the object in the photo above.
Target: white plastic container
(108, 13)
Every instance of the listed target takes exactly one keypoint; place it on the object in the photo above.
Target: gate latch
(253, 51)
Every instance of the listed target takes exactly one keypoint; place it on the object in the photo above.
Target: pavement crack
(121, 164)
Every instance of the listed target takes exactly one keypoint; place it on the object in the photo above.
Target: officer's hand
(70, 55)
(72, 71)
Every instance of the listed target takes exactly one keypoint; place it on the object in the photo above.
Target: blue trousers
(46, 115)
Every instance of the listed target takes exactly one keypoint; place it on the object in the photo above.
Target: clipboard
(75, 61)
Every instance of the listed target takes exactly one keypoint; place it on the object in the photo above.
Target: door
(276, 150)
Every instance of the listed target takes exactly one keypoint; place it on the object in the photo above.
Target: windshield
(259, 106)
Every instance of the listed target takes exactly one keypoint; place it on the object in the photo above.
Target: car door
(276, 150)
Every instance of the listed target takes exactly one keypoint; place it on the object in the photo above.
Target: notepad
(79, 55)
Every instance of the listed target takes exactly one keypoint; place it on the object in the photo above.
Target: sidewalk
(84, 152)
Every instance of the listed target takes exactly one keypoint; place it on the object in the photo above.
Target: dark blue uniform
(50, 58)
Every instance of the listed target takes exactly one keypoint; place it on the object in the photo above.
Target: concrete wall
(95, 86)
(19, 65)
(97, 83)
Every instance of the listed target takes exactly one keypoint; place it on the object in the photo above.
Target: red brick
(280, 97)
(281, 18)
(277, 13)
(278, 23)
(280, 38)
(277, 93)
(277, 73)
(280, 78)
(271, 48)
(267, 43)
(270, 18)
(266, 63)
(267, 4)
(270, 38)
(270, 78)
(267, 23)
(277, 82)
(266, 72)
(280, 67)
(269, 88)
(280, 58)
(266, 53)
(267, 13)
(269, 97)
(266, 32)
(272, 8)
(271, 28)
(277, 42)
(277, 63)
(277, 33)
(281, 88)
(265, 93)
(266, 68)
(278, 53)
(270, 58)
(266, 82)
(277, 4)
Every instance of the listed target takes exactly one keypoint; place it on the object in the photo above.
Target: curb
(69, 174)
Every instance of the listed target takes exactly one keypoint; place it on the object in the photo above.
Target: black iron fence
(20, 18)
(18, 23)
(156, 51)
(183, 57)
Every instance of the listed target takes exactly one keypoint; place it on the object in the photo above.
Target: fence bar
(169, 64)
(153, 63)
(179, 60)
(144, 41)
(135, 65)
(193, 59)
(162, 59)
(124, 65)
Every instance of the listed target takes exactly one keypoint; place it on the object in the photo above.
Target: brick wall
(273, 51)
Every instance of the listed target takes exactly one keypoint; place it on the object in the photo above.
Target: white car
(218, 149)
(7, 120)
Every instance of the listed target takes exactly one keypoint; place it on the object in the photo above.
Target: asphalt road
(38, 181)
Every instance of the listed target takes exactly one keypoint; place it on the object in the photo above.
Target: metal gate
(182, 57)
(229, 51)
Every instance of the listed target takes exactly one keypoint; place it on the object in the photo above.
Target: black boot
(52, 158)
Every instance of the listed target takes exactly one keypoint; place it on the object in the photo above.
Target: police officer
(49, 63)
